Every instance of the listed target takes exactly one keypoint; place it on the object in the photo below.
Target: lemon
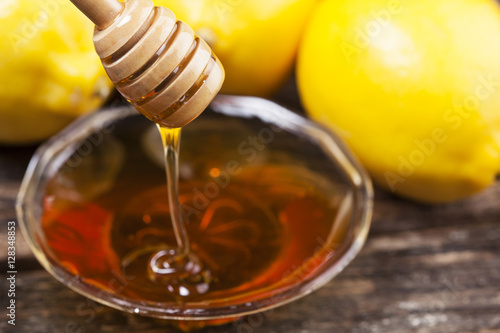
(49, 71)
(413, 87)
(256, 40)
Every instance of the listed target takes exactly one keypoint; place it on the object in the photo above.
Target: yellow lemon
(256, 40)
(49, 71)
(412, 86)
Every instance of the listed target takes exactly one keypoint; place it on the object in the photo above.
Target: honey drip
(176, 267)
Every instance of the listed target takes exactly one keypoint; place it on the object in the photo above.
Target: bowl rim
(242, 107)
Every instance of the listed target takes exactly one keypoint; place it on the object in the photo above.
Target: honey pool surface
(253, 226)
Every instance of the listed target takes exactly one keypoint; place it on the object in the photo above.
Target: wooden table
(423, 269)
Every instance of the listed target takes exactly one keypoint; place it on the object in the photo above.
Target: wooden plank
(13, 164)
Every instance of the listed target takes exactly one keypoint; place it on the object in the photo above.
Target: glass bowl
(93, 156)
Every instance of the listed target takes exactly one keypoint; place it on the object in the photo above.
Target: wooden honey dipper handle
(101, 12)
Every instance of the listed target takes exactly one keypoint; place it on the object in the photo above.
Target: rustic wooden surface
(423, 269)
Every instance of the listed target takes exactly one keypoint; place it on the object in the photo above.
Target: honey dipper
(156, 62)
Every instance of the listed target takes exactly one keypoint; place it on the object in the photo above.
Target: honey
(247, 228)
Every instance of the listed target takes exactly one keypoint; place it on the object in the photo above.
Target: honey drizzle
(171, 142)
(179, 269)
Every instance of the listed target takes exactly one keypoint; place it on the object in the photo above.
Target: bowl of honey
(272, 206)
